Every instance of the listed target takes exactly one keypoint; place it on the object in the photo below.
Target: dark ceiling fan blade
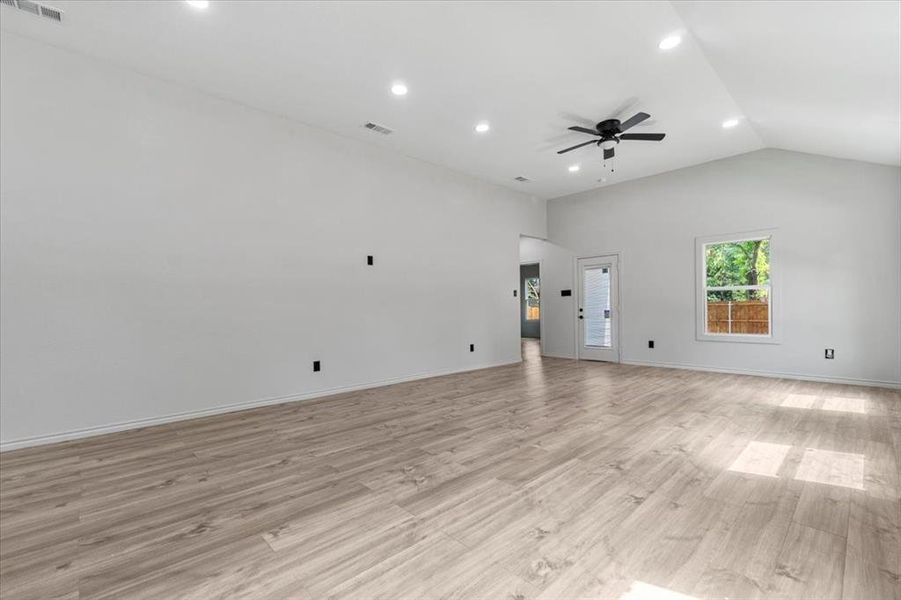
(608, 153)
(576, 146)
(634, 120)
(584, 130)
(650, 137)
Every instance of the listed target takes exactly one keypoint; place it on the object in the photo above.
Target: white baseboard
(776, 374)
(75, 434)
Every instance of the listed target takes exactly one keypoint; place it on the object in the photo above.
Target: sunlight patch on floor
(842, 469)
(646, 591)
(761, 458)
(852, 405)
(830, 403)
(798, 401)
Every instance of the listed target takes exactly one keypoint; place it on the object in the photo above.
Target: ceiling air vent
(521, 179)
(378, 128)
(35, 8)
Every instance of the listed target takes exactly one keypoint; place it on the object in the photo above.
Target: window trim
(775, 289)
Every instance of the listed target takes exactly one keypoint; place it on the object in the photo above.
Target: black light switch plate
(316, 367)
(472, 347)
(650, 343)
(514, 293)
(830, 354)
(566, 292)
(370, 260)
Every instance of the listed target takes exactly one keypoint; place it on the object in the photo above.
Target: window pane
(738, 263)
(596, 309)
(745, 312)
(533, 299)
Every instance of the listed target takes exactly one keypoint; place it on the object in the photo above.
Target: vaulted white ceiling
(818, 77)
(814, 77)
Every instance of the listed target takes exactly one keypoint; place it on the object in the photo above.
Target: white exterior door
(598, 308)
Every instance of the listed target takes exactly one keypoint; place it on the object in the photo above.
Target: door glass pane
(533, 299)
(596, 306)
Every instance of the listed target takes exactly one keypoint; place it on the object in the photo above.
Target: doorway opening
(530, 307)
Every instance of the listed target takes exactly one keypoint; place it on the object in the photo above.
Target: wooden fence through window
(751, 317)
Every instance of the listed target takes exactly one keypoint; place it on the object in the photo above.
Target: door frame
(522, 299)
(617, 295)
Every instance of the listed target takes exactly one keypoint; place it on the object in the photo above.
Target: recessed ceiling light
(573, 168)
(201, 4)
(730, 123)
(670, 42)
(482, 127)
(399, 89)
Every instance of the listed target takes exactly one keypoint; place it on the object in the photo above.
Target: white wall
(839, 254)
(165, 252)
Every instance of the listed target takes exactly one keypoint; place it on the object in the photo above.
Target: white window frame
(774, 297)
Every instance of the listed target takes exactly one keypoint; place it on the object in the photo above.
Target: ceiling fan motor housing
(609, 127)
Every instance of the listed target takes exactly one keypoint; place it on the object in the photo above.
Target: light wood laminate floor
(550, 479)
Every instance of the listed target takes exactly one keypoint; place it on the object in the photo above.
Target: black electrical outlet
(514, 293)
(830, 353)
(369, 260)
(650, 343)
(472, 347)
(316, 367)
(566, 292)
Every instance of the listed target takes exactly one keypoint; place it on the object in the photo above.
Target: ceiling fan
(610, 132)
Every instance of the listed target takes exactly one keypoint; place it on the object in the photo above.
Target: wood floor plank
(811, 565)
(865, 580)
(874, 531)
